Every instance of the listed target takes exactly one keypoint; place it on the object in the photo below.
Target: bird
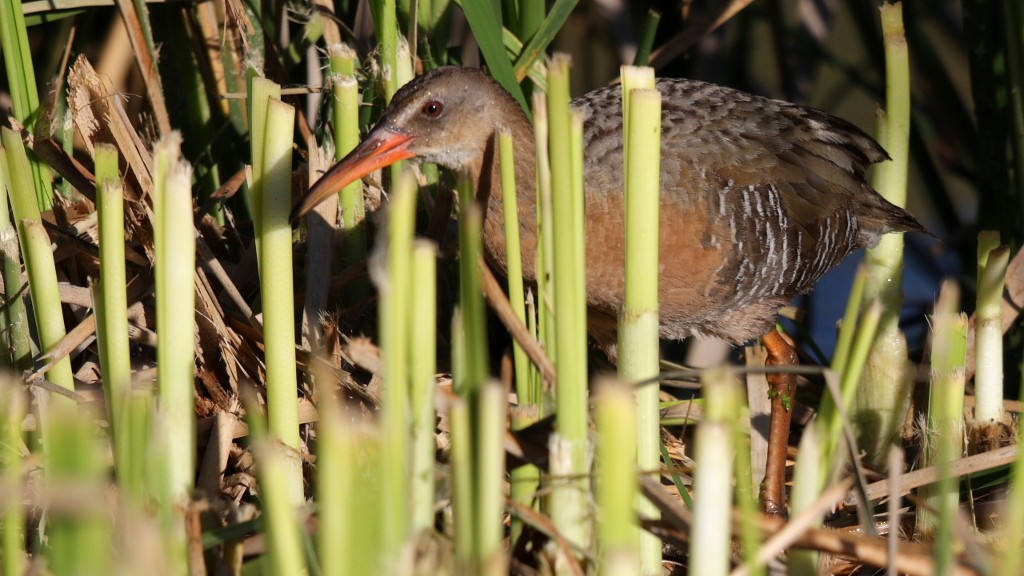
(759, 198)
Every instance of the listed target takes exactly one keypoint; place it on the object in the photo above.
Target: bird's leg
(781, 388)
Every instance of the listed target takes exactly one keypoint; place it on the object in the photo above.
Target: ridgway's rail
(759, 198)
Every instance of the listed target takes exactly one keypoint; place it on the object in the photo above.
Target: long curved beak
(382, 147)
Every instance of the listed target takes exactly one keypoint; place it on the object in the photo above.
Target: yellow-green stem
(394, 288)
(638, 346)
(277, 291)
(112, 306)
(944, 433)
(39, 263)
(710, 546)
(422, 357)
(618, 526)
(567, 503)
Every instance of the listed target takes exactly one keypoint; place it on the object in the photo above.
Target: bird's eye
(433, 109)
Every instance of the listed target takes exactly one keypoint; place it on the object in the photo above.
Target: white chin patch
(452, 159)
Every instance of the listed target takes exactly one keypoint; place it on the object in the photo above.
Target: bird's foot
(781, 388)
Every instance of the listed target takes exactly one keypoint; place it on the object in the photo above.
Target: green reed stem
(422, 357)
(618, 526)
(638, 345)
(39, 263)
(944, 433)
(525, 478)
(112, 305)
(880, 407)
(710, 542)
(567, 502)
(278, 293)
(174, 271)
(394, 292)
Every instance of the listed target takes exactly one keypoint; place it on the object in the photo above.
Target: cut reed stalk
(638, 338)
(988, 330)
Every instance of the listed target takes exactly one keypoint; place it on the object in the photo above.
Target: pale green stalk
(281, 526)
(174, 270)
(394, 289)
(524, 478)
(568, 505)
(805, 492)
(879, 409)
(944, 433)
(710, 536)
(396, 65)
(39, 263)
(988, 332)
(12, 514)
(42, 281)
(618, 527)
(638, 346)
(893, 182)
(483, 476)
(278, 293)
(514, 270)
(634, 78)
(422, 357)
(578, 208)
(112, 304)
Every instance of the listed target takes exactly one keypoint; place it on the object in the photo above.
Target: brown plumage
(759, 197)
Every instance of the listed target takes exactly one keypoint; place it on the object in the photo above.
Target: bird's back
(759, 199)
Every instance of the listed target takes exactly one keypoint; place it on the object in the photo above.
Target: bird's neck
(487, 175)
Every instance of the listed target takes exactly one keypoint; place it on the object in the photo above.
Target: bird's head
(447, 117)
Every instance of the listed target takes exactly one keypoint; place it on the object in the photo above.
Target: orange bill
(382, 147)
